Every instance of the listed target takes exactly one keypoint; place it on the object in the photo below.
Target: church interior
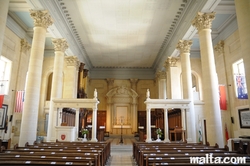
(165, 71)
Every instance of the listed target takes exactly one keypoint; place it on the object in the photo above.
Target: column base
(93, 140)
(166, 140)
(148, 140)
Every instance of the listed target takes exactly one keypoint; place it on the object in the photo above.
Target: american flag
(19, 101)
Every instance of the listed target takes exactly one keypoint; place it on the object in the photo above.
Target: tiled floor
(121, 153)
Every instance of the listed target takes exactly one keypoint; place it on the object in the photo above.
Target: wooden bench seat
(59, 152)
(164, 160)
(177, 154)
(52, 158)
(28, 162)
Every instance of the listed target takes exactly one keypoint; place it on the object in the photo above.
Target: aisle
(121, 154)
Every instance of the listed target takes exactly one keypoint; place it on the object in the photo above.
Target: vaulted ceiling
(124, 38)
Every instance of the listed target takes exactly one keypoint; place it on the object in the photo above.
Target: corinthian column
(28, 129)
(173, 79)
(203, 23)
(162, 90)
(242, 11)
(71, 77)
(184, 47)
(60, 45)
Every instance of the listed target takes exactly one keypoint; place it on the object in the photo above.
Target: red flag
(223, 100)
(227, 135)
(19, 101)
(1, 100)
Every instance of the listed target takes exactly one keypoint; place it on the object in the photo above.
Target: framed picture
(3, 116)
(244, 117)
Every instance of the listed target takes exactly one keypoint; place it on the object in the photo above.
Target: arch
(198, 85)
(122, 110)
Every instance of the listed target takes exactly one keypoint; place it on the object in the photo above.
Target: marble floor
(121, 153)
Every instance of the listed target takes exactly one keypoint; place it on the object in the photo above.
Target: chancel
(130, 74)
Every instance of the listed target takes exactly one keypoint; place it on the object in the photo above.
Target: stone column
(110, 82)
(94, 120)
(71, 77)
(203, 22)
(28, 129)
(24, 59)
(166, 125)
(162, 89)
(60, 45)
(184, 47)
(134, 119)
(149, 139)
(4, 8)
(173, 78)
(243, 12)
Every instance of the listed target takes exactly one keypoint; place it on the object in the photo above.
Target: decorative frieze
(72, 61)
(41, 18)
(24, 46)
(184, 46)
(219, 48)
(60, 44)
(203, 20)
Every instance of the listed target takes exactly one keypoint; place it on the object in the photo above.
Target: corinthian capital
(170, 62)
(24, 45)
(161, 75)
(60, 44)
(41, 18)
(203, 20)
(184, 46)
(72, 61)
(219, 47)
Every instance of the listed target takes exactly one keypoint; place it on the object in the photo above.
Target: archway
(122, 110)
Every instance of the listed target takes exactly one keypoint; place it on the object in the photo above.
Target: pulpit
(65, 133)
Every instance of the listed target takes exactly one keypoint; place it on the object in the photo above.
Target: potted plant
(84, 133)
(159, 133)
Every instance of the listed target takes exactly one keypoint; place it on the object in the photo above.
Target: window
(5, 71)
(239, 80)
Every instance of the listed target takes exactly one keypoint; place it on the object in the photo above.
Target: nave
(119, 151)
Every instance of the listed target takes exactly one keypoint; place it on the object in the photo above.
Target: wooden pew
(105, 144)
(176, 154)
(98, 153)
(91, 160)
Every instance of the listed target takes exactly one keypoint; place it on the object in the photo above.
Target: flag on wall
(223, 100)
(226, 132)
(241, 87)
(19, 101)
(1, 100)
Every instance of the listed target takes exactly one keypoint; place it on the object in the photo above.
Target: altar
(65, 133)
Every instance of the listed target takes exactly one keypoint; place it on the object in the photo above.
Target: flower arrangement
(84, 131)
(158, 132)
